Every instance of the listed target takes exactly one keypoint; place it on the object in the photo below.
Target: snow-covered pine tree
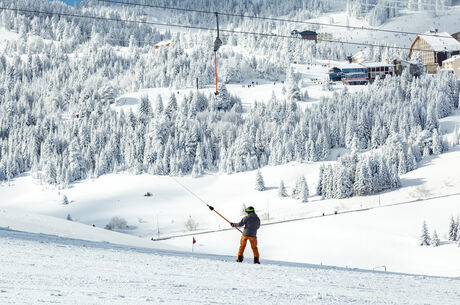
(319, 187)
(65, 200)
(344, 185)
(435, 239)
(457, 228)
(282, 190)
(260, 185)
(425, 236)
(436, 147)
(304, 192)
(452, 235)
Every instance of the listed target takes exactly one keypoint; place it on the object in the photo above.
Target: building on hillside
(349, 74)
(378, 69)
(358, 57)
(456, 36)
(434, 48)
(162, 44)
(452, 64)
(324, 36)
(401, 65)
(308, 35)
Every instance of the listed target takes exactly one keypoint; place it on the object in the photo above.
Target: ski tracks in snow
(38, 268)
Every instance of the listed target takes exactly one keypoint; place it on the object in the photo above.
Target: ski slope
(382, 234)
(40, 268)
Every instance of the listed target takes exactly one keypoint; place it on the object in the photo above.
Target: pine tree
(282, 190)
(436, 147)
(435, 239)
(65, 200)
(319, 187)
(344, 184)
(260, 186)
(304, 192)
(457, 228)
(453, 229)
(425, 236)
(69, 217)
(300, 191)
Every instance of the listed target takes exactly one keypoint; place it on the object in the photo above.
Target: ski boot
(239, 259)
(256, 260)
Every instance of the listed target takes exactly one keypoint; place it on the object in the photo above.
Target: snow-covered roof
(441, 42)
(453, 58)
(163, 43)
(348, 65)
(376, 64)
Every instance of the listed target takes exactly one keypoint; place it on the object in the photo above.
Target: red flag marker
(194, 240)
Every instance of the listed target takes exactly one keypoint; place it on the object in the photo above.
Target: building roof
(446, 43)
(453, 58)
(304, 33)
(348, 65)
(375, 64)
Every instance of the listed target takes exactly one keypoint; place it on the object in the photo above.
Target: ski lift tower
(217, 44)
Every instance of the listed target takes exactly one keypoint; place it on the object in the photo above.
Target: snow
(69, 271)
(408, 21)
(386, 235)
(250, 91)
(452, 59)
(445, 43)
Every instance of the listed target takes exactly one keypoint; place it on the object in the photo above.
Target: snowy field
(56, 270)
(384, 236)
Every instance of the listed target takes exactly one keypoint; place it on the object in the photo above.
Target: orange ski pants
(253, 241)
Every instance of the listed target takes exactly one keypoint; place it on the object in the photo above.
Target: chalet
(452, 64)
(378, 69)
(434, 48)
(308, 35)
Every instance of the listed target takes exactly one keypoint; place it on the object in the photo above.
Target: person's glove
(233, 225)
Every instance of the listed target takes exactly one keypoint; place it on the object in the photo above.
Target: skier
(251, 224)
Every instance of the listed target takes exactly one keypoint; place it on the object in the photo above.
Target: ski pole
(212, 209)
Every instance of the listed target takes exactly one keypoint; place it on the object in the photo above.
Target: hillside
(71, 271)
(113, 141)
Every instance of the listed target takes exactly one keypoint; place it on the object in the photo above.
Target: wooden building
(434, 48)
(452, 64)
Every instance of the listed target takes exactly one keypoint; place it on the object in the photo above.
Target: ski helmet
(249, 210)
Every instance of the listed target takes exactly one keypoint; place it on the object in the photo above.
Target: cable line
(272, 35)
(265, 18)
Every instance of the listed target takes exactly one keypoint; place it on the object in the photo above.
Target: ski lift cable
(265, 18)
(272, 35)
(196, 196)
(433, 5)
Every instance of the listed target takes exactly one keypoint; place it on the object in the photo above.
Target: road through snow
(39, 268)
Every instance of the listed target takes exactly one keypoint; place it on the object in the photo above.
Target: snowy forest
(61, 67)
(376, 12)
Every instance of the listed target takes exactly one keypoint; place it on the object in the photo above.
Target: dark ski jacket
(251, 224)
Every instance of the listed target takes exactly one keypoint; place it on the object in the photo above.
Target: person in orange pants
(251, 224)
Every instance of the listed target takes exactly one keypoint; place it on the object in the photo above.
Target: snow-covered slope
(38, 268)
(366, 239)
